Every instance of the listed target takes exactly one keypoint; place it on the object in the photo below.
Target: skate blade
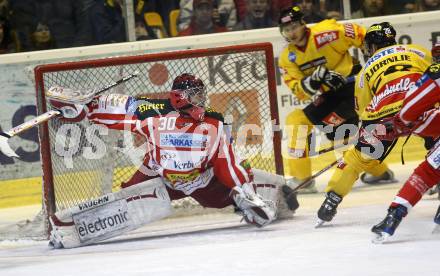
(436, 229)
(381, 238)
(319, 223)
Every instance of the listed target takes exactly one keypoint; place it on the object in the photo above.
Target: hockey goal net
(240, 83)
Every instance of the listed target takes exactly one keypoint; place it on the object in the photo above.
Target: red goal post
(240, 82)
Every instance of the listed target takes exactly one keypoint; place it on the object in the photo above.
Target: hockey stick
(307, 180)
(290, 193)
(82, 97)
(345, 143)
(4, 136)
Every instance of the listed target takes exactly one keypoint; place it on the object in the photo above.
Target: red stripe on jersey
(418, 102)
(237, 170)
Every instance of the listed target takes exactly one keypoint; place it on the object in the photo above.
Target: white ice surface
(220, 245)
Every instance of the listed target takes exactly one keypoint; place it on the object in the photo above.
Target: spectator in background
(162, 7)
(67, 20)
(4, 8)
(107, 21)
(41, 38)
(310, 9)
(224, 13)
(257, 16)
(333, 9)
(240, 7)
(278, 6)
(401, 6)
(427, 5)
(23, 21)
(143, 31)
(371, 8)
(6, 41)
(202, 20)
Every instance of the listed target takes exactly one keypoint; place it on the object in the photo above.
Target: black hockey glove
(322, 75)
(334, 80)
(312, 83)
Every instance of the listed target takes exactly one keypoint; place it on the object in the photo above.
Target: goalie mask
(188, 96)
(379, 36)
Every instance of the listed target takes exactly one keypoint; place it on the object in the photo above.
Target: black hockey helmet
(287, 17)
(290, 15)
(379, 36)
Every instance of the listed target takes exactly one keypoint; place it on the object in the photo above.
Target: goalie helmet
(188, 96)
(379, 36)
(435, 51)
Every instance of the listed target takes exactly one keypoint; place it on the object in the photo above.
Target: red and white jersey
(420, 105)
(186, 153)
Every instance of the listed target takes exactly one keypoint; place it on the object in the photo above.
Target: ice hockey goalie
(189, 154)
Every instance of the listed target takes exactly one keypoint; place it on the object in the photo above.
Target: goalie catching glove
(255, 210)
(312, 84)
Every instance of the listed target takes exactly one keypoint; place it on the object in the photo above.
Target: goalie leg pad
(110, 215)
(273, 192)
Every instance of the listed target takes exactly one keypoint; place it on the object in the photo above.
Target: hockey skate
(386, 178)
(386, 228)
(308, 189)
(328, 208)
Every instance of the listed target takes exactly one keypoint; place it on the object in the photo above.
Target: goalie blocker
(139, 204)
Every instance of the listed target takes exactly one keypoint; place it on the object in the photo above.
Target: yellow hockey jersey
(327, 44)
(385, 78)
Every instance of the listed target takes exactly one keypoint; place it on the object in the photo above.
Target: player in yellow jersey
(316, 65)
(380, 88)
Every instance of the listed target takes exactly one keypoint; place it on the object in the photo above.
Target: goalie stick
(76, 98)
(290, 193)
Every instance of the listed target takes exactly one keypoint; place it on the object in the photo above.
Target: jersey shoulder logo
(325, 38)
(291, 57)
(349, 30)
(152, 107)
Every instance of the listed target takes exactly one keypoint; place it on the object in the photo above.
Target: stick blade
(5, 148)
